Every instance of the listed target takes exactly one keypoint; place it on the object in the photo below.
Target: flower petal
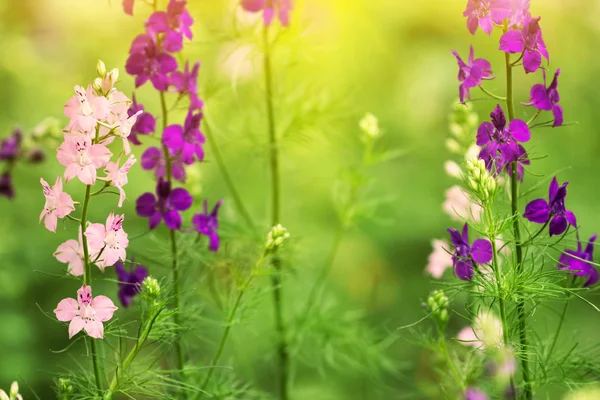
(481, 250)
(519, 130)
(558, 225)
(66, 309)
(537, 211)
(104, 308)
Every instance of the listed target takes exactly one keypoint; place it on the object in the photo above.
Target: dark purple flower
(547, 99)
(130, 282)
(186, 83)
(485, 13)
(528, 41)
(10, 147)
(475, 394)
(173, 23)
(153, 159)
(501, 143)
(186, 140)
(147, 61)
(165, 205)
(207, 224)
(144, 124)
(466, 255)
(579, 262)
(6, 187)
(541, 211)
(471, 74)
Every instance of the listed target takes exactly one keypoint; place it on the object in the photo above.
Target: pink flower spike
(86, 313)
(58, 204)
(82, 158)
(71, 253)
(118, 176)
(109, 237)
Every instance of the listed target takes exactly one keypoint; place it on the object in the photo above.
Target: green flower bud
(151, 287)
(370, 127)
(480, 181)
(101, 69)
(276, 237)
(437, 303)
(65, 386)
(14, 390)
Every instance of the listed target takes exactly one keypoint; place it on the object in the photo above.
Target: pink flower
(82, 158)
(85, 109)
(459, 207)
(118, 176)
(485, 13)
(58, 204)
(128, 6)
(270, 8)
(124, 130)
(519, 9)
(71, 253)
(86, 313)
(439, 260)
(109, 237)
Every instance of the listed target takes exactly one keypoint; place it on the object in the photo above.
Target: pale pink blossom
(110, 239)
(485, 332)
(85, 313)
(85, 110)
(439, 260)
(82, 158)
(453, 169)
(459, 207)
(118, 176)
(58, 204)
(124, 130)
(71, 253)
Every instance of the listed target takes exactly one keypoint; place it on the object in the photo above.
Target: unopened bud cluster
(106, 79)
(480, 181)
(13, 394)
(437, 304)
(276, 237)
(369, 126)
(463, 122)
(151, 287)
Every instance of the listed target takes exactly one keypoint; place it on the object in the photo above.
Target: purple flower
(475, 394)
(501, 143)
(519, 10)
(547, 99)
(153, 158)
(6, 187)
(485, 13)
(186, 140)
(186, 83)
(144, 124)
(165, 205)
(174, 23)
(579, 262)
(466, 256)
(9, 147)
(130, 282)
(540, 211)
(528, 41)
(207, 224)
(471, 74)
(147, 61)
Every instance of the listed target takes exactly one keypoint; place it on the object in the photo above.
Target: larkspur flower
(6, 186)
(270, 9)
(471, 74)
(186, 83)
(528, 41)
(439, 260)
(130, 282)
(580, 262)
(144, 124)
(186, 140)
(459, 207)
(552, 211)
(486, 332)
(71, 253)
(85, 109)
(117, 176)
(175, 23)
(10, 147)
(85, 313)
(124, 130)
(207, 224)
(82, 158)
(486, 13)
(58, 204)
(148, 61)
(109, 240)
(547, 99)
(153, 159)
(467, 255)
(475, 394)
(519, 10)
(166, 204)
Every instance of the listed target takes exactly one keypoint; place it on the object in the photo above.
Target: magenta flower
(471, 74)
(128, 6)
(466, 256)
(58, 204)
(186, 83)
(485, 13)
(547, 99)
(109, 239)
(174, 23)
(71, 253)
(167, 205)
(153, 158)
(186, 140)
(519, 10)
(580, 262)
(553, 211)
(130, 282)
(207, 224)
(82, 158)
(118, 176)
(528, 41)
(270, 9)
(147, 61)
(10, 147)
(6, 187)
(86, 313)
(85, 109)
(144, 124)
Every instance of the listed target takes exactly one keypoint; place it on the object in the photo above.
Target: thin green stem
(492, 95)
(558, 329)
(453, 370)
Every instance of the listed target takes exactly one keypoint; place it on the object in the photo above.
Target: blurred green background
(339, 59)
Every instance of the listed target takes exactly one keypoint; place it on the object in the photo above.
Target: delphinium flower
(466, 256)
(471, 74)
(553, 211)
(207, 224)
(147, 61)
(519, 10)
(486, 332)
(186, 140)
(153, 158)
(71, 253)
(459, 207)
(270, 9)
(475, 394)
(14, 149)
(165, 205)
(130, 282)
(580, 262)
(85, 313)
(82, 158)
(174, 24)
(109, 240)
(117, 176)
(547, 99)
(145, 123)
(186, 83)
(439, 260)
(502, 143)
(58, 204)
(528, 41)
(486, 13)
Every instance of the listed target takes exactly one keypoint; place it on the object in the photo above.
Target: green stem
(558, 329)
(492, 95)
(275, 204)
(453, 371)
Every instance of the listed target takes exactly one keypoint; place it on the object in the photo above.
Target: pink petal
(512, 42)
(95, 234)
(68, 253)
(66, 309)
(104, 308)
(486, 24)
(87, 175)
(532, 61)
(94, 329)
(75, 326)
(50, 222)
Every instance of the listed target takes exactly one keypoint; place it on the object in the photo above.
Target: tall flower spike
(580, 262)
(547, 99)
(467, 255)
(485, 13)
(471, 74)
(58, 204)
(552, 211)
(528, 41)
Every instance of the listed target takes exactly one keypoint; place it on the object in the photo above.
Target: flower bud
(480, 181)
(14, 390)
(97, 85)
(370, 127)
(151, 287)
(3, 395)
(453, 169)
(65, 386)
(101, 68)
(276, 237)
(437, 304)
